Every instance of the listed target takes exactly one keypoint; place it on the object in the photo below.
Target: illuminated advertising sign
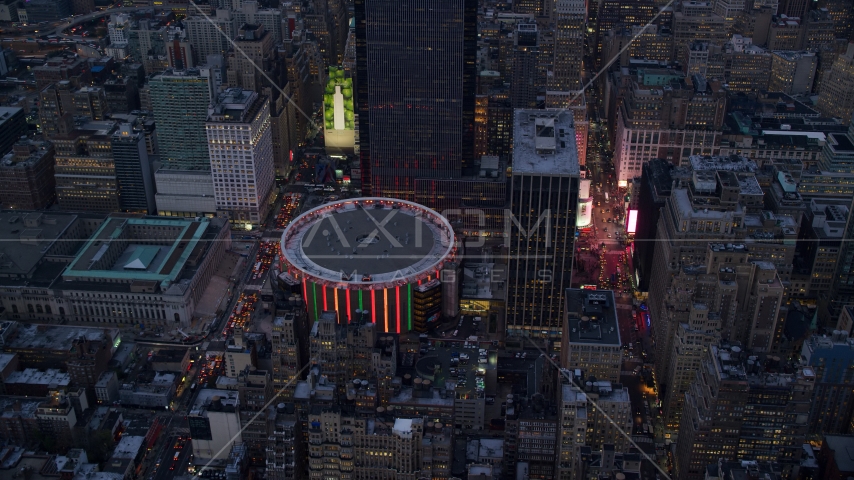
(632, 222)
(338, 109)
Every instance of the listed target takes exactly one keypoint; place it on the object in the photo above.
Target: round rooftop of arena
(367, 243)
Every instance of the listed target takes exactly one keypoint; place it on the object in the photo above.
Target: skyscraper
(133, 170)
(243, 179)
(180, 100)
(569, 45)
(544, 196)
(416, 76)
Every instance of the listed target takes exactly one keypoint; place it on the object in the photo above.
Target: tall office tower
(743, 406)
(26, 176)
(254, 391)
(284, 126)
(289, 349)
(792, 73)
(775, 416)
(409, 127)
(180, 101)
(793, 8)
(91, 102)
(656, 183)
(819, 30)
(654, 122)
(524, 83)
(530, 438)
(651, 43)
(610, 411)
(85, 172)
(749, 70)
(591, 334)
(832, 359)
(529, 7)
(842, 12)
(838, 157)
(704, 411)
(344, 445)
(285, 447)
(147, 45)
(678, 246)
(242, 179)
(730, 10)
(211, 36)
(613, 12)
(481, 125)
(56, 110)
(256, 43)
(836, 98)
(694, 334)
(133, 171)
(697, 21)
(329, 348)
(544, 197)
(572, 427)
(270, 18)
(13, 125)
(569, 46)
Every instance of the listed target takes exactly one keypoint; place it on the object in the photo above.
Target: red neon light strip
(373, 307)
(349, 315)
(305, 292)
(397, 304)
(325, 307)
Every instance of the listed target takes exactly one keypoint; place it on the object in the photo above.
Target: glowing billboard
(632, 222)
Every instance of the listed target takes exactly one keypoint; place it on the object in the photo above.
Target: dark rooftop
(592, 316)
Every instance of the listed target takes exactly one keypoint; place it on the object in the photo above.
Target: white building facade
(240, 142)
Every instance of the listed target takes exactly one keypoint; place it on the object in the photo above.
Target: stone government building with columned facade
(98, 269)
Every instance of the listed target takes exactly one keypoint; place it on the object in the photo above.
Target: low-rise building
(591, 334)
(151, 390)
(107, 388)
(214, 424)
(31, 382)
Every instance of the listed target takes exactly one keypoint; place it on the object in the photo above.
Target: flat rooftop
(544, 143)
(392, 241)
(732, 163)
(33, 376)
(207, 395)
(25, 239)
(592, 317)
(122, 249)
(54, 337)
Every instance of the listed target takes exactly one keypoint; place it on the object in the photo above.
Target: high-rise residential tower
(416, 74)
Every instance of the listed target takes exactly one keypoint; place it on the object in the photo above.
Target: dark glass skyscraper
(416, 81)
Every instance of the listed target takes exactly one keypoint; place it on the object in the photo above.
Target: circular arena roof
(367, 243)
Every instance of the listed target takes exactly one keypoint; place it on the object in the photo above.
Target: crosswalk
(641, 439)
